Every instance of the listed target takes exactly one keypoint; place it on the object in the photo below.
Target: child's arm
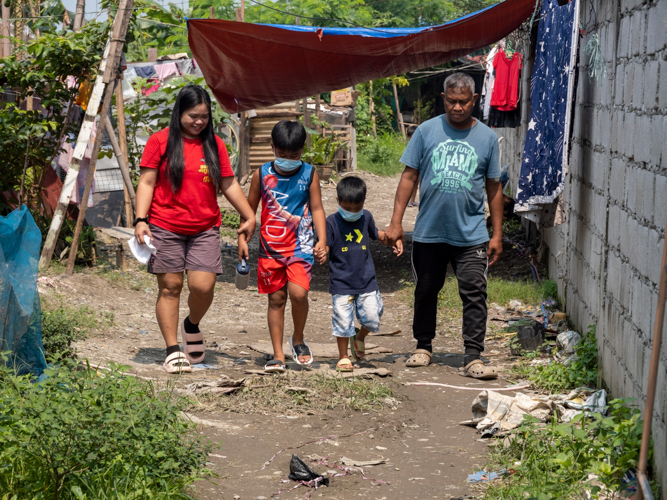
(254, 195)
(319, 219)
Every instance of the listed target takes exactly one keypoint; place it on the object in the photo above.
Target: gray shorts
(185, 252)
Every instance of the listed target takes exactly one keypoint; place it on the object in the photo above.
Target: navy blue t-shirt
(350, 262)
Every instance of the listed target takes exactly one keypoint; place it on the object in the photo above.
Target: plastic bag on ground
(299, 471)
(507, 412)
(20, 312)
(567, 341)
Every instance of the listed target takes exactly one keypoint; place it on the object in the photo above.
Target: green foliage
(382, 156)
(82, 434)
(499, 291)
(63, 326)
(550, 289)
(554, 462)
(423, 109)
(556, 377)
(31, 139)
(230, 218)
(157, 106)
(86, 254)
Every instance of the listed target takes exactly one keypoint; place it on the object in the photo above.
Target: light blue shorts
(368, 307)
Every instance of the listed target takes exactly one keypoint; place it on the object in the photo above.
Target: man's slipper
(177, 363)
(275, 365)
(477, 369)
(301, 350)
(357, 347)
(194, 352)
(344, 365)
(421, 357)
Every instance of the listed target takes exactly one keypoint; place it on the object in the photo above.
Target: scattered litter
(205, 366)
(300, 472)
(224, 385)
(528, 338)
(594, 401)
(380, 448)
(362, 463)
(384, 334)
(567, 341)
(507, 412)
(483, 476)
(516, 304)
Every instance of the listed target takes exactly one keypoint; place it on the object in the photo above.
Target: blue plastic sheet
(20, 312)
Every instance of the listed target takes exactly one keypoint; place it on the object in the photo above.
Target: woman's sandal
(420, 358)
(275, 365)
(189, 348)
(344, 365)
(177, 363)
(477, 369)
(301, 350)
(357, 347)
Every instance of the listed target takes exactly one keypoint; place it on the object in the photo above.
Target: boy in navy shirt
(352, 280)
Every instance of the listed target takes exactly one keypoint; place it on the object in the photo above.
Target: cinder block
(638, 34)
(658, 136)
(662, 87)
(619, 76)
(657, 34)
(640, 255)
(660, 202)
(651, 84)
(642, 138)
(638, 89)
(629, 138)
(617, 131)
(614, 236)
(628, 86)
(603, 125)
(614, 269)
(624, 46)
(641, 307)
(655, 245)
(631, 189)
(617, 179)
(647, 195)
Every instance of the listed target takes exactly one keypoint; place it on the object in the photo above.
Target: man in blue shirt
(454, 157)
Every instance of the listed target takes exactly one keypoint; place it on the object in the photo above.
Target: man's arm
(407, 183)
(494, 192)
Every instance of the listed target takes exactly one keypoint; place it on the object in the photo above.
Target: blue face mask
(350, 216)
(287, 165)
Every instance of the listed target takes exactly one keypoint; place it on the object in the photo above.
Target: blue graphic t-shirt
(453, 165)
(351, 269)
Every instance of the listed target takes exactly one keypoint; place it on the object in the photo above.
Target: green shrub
(382, 156)
(64, 326)
(556, 377)
(91, 435)
(230, 218)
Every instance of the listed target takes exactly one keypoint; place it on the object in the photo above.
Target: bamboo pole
(399, 115)
(125, 172)
(306, 120)
(106, 74)
(122, 140)
(371, 110)
(4, 31)
(79, 13)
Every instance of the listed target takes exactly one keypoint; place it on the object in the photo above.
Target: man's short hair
(351, 189)
(460, 81)
(411, 130)
(288, 135)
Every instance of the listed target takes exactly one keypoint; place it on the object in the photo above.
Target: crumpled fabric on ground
(507, 411)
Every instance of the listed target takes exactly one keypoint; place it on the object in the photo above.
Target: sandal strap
(302, 350)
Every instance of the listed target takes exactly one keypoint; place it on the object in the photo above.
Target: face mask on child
(287, 165)
(350, 216)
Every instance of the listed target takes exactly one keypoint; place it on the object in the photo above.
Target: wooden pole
(243, 11)
(78, 15)
(317, 112)
(306, 120)
(211, 13)
(106, 73)
(4, 31)
(371, 110)
(122, 140)
(125, 172)
(399, 115)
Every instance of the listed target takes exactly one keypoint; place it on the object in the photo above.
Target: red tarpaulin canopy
(250, 66)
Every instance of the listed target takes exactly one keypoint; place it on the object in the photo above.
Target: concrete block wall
(606, 258)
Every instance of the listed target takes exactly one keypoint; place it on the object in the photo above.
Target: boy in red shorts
(291, 205)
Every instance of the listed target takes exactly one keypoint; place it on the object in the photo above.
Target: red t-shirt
(506, 87)
(194, 208)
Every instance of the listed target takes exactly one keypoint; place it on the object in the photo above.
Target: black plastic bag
(299, 471)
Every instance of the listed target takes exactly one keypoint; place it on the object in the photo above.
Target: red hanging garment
(506, 87)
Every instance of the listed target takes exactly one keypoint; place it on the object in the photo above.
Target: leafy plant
(230, 218)
(323, 146)
(554, 377)
(63, 326)
(87, 252)
(85, 434)
(382, 156)
(424, 107)
(554, 462)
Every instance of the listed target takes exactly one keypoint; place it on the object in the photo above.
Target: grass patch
(63, 326)
(81, 435)
(382, 156)
(277, 395)
(556, 377)
(554, 462)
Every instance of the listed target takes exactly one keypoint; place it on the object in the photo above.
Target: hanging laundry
(504, 119)
(489, 81)
(151, 87)
(506, 85)
(166, 70)
(186, 67)
(145, 71)
(546, 150)
(129, 75)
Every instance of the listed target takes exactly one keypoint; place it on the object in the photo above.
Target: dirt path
(428, 454)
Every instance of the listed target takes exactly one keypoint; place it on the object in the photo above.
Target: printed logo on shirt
(453, 164)
(351, 238)
(203, 169)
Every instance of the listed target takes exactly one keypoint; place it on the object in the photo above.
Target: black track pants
(470, 264)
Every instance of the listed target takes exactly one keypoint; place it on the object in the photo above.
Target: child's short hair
(288, 135)
(351, 190)
(411, 130)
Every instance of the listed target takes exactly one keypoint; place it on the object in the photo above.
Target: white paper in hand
(142, 252)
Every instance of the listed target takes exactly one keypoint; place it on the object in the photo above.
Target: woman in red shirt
(183, 168)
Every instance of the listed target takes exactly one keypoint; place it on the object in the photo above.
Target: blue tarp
(20, 312)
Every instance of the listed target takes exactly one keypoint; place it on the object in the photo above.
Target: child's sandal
(344, 365)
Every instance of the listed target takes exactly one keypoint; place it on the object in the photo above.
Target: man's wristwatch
(138, 220)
